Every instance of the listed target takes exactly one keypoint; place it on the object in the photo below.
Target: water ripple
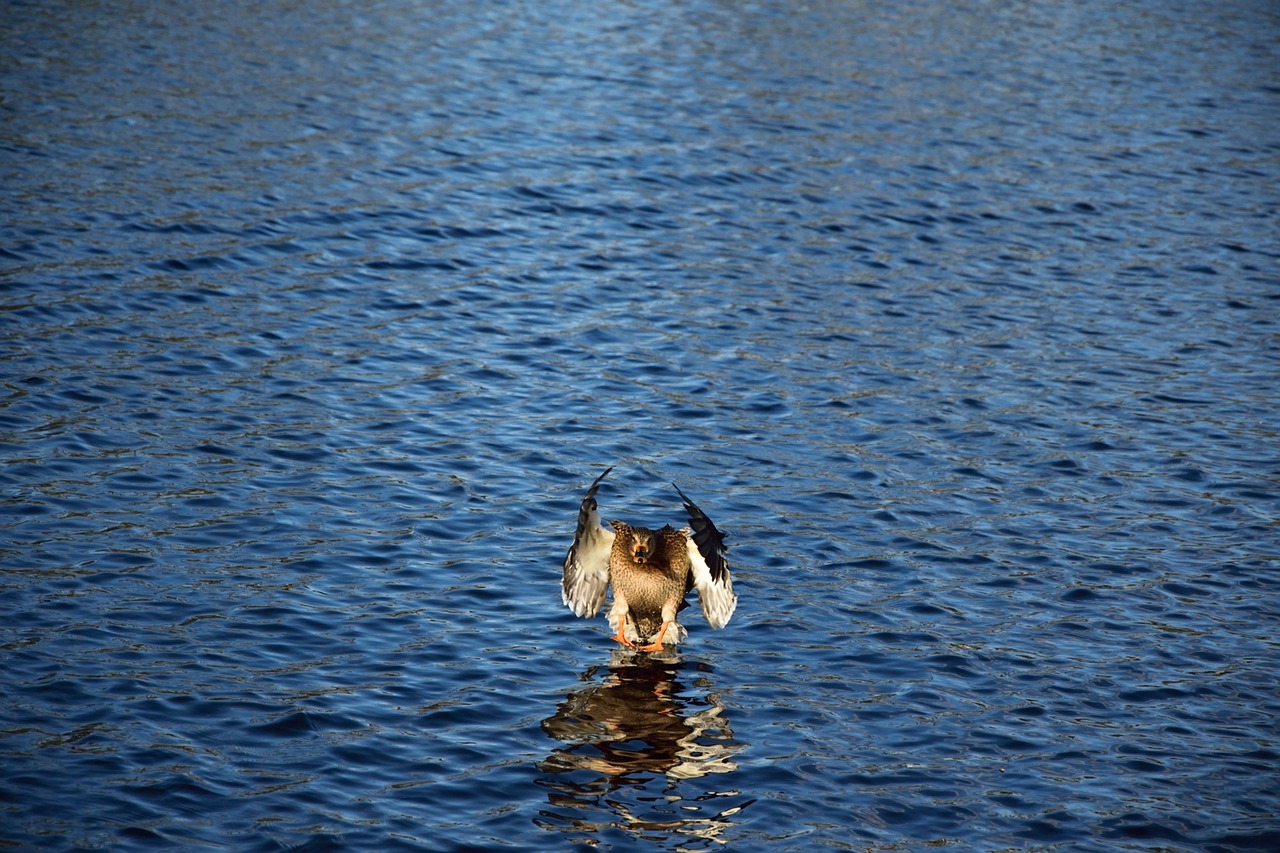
(315, 328)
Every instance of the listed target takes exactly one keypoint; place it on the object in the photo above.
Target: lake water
(961, 319)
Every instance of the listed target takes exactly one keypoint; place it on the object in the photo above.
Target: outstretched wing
(710, 568)
(586, 566)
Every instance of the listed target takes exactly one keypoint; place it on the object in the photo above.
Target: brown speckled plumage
(653, 583)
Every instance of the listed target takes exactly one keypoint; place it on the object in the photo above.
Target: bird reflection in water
(635, 746)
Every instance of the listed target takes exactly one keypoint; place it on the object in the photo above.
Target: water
(960, 319)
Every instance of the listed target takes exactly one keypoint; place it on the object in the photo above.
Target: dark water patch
(308, 373)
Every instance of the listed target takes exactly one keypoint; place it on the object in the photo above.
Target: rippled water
(960, 319)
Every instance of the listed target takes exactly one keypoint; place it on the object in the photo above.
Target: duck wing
(586, 566)
(709, 568)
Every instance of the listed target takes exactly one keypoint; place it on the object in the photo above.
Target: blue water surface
(317, 320)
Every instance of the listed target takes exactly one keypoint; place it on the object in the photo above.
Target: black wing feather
(709, 540)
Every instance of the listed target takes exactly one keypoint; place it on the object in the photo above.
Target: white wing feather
(586, 566)
(715, 594)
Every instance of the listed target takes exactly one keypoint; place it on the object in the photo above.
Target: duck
(650, 571)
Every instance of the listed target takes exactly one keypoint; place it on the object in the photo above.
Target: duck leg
(621, 636)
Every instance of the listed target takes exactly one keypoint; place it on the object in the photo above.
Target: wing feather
(586, 566)
(710, 569)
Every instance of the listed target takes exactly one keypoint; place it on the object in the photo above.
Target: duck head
(638, 543)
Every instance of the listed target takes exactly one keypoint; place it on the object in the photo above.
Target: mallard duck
(651, 572)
